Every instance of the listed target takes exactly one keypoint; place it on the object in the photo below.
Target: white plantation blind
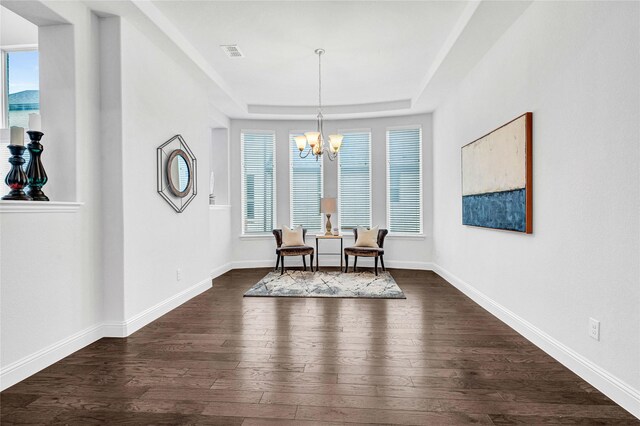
(404, 180)
(354, 180)
(305, 178)
(258, 181)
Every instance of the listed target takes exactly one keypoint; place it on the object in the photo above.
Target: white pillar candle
(17, 136)
(35, 122)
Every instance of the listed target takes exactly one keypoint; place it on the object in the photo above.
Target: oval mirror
(179, 173)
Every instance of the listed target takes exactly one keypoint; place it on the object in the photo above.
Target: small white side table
(328, 237)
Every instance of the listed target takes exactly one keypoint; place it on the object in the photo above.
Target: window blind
(354, 180)
(404, 180)
(305, 186)
(258, 181)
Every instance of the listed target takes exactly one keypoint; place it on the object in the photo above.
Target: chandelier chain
(320, 81)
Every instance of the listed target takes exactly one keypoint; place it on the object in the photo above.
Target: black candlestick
(36, 176)
(16, 178)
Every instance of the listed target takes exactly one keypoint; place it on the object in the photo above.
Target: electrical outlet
(178, 274)
(594, 329)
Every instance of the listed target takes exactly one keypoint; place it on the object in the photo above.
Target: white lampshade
(301, 142)
(335, 142)
(328, 205)
(312, 138)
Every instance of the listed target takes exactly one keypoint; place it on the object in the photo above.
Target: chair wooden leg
(282, 265)
(304, 263)
(277, 262)
(346, 263)
(311, 261)
(375, 262)
(355, 264)
(382, 262)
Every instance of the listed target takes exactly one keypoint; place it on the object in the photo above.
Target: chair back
(278, 234)
(382, 233)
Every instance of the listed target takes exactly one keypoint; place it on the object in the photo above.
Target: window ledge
(219, 207)
(39, 206)
(406, 236)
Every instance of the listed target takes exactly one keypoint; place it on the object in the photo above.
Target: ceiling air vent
(232, 50)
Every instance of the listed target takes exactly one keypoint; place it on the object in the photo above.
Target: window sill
(219, 207)
(39, 206)
(406, 236)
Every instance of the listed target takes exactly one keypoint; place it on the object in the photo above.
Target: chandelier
(316, 140)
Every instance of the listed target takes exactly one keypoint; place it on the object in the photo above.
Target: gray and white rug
(327, 284)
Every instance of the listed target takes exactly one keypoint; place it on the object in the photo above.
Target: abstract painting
(496, 178)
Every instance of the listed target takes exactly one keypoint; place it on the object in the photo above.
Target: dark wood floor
(434, 358)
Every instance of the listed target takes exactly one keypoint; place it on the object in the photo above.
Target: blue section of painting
(499, 210)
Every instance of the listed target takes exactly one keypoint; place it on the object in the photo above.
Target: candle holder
(16, 178)
(36, 176)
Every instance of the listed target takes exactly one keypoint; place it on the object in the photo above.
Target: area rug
(327, 284)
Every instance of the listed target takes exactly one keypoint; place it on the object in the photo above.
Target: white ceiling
(383, 58)
(377, 52)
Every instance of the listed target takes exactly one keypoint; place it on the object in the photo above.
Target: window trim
(301, 132)
(242, 192)
(419, 234)
(357, 130)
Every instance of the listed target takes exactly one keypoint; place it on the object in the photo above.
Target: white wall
(220, 239)
(576, 67)
(399, 252)
(51, 283)
(160, 99)
(107, 265)
(219, 164)
(112, 155)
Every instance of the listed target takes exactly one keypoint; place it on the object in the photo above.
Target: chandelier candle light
(316, 139)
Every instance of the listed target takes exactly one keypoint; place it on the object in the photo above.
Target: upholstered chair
(375, 252)
(282, 252)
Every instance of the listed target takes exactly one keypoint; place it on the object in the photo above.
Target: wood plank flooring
(434, 358)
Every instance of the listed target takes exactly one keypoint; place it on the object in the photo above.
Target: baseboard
(215, 273)
(294, 263)
(403, 264)
(616, 389)
(245, 264)
(135, 323)
(31, 364)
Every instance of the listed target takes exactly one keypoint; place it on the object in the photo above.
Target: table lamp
(328, 206)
